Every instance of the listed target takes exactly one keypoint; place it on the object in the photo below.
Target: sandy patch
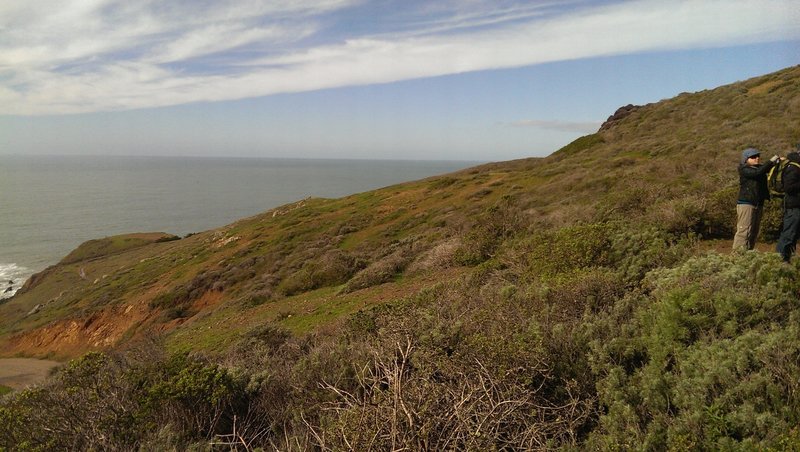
(18, 373)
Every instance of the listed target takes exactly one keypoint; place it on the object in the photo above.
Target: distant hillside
(669, 163)
(572, 301)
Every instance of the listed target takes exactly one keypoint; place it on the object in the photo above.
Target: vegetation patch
(116, 244)
(580, 145)
(702, 362)
(573, 307)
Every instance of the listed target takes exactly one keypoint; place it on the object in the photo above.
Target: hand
(775, 159)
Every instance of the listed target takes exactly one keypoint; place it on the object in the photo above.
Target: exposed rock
(35, 309)
(618, 115)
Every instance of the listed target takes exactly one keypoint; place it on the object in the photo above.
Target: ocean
(51, 204)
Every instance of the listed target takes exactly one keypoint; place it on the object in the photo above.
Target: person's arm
(755, 172)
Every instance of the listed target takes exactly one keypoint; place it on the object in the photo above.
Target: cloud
(562, 126)
(217, 38)
(107, 55)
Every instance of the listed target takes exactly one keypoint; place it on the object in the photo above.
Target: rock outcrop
(618, 115)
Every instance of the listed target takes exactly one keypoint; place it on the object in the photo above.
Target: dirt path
(17, 373)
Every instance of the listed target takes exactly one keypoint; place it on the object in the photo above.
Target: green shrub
(705, 360)
(498, 223)
(720, 217)
(193, 395)
(331, 268)
(84, 399)
(380, 271)
(771, 221)
(635, 251)
(566, 249)
(105, 402)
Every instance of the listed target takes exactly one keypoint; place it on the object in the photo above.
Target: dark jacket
(753, 183)
(791, 183)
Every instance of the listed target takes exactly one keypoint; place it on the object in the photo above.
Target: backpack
(775, 177)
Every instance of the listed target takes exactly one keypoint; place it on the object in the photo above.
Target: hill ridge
(666, 163)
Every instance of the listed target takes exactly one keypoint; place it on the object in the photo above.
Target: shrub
(83, 407)
(771, 221)
(704, 361)
(636, 251)
(380, 271)
(574, 247)
(194, 396)
(439, 256)
(408, 398)
(498, 223)
(116, 402)
(461, 366)
(332, 268)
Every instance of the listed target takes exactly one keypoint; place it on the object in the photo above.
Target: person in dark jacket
(753, 191)
(787, 242)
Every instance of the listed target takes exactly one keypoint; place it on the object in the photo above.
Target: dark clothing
(791, 184)
(787, 243)
(753, 188)
(790, 230)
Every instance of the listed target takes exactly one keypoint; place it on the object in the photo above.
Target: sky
(477, 80)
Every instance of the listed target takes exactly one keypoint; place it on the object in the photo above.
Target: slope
(309, 264)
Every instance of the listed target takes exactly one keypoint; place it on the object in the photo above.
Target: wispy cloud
(100, 55)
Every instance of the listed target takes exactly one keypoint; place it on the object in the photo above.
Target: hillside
(667, 163)
(565, 301)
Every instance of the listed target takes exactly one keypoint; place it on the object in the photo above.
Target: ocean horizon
(52, 204)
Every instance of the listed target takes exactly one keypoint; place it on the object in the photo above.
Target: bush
(332, 268)
(636, 251)
(85, 406)
(771, 221)
(380, 271)
(116, 402)
(566, 249)
(463, 367)
(408, 399)
(705, 359)
(498, 223)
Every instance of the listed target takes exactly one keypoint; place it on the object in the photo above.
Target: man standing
(753, 191)
(791, 207)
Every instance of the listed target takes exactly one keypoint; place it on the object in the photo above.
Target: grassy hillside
(569, 301)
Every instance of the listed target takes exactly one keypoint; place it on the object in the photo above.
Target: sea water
(50, 205)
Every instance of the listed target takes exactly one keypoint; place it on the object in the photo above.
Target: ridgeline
(587, 299)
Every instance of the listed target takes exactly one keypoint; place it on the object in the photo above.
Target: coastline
(54, 204)
(12, 278)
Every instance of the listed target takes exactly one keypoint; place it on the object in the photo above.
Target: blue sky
(441, 80)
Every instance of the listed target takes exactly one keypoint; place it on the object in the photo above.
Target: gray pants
(789, 233)
(748, 219)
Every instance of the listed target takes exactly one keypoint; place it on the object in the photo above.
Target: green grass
(5, 390)
(670, 163)
(589, 288)
(116, 244)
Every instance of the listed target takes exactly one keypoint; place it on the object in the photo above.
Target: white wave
(12, 277)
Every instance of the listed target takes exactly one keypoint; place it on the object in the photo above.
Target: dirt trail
(18, 373)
